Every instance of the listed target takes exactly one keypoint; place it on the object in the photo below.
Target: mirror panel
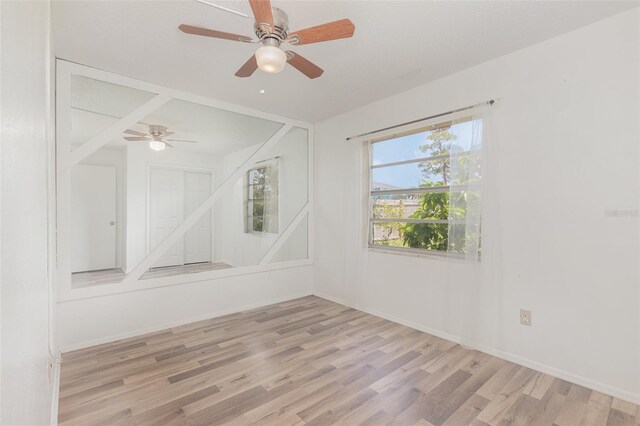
(296, 247)
(96, 105)
(252, 213)
(129, 195)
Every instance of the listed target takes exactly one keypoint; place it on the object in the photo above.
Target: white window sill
(262, 234)
(428, 254)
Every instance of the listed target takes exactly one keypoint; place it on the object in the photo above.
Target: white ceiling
(397, 45)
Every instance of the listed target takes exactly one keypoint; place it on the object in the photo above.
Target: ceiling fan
(157, 137)
(272, 29)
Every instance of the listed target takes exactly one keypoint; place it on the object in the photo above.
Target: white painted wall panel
(26, 392)
(122, 315)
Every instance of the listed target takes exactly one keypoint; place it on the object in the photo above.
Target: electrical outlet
(525, 317)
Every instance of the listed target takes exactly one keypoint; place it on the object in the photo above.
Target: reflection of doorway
(173, 195)
(93, 218)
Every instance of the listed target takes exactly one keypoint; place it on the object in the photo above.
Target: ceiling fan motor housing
(279, 34)
(157, 131)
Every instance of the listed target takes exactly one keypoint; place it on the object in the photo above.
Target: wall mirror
(160, 187)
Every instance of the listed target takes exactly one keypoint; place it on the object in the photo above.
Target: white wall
(26, 393)
(109, 318)
(563, 148)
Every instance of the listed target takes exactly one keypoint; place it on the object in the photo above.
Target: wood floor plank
(619, 418)
(311, 361)
(595, 415)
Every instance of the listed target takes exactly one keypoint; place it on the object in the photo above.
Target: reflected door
(197, 241)
(93, 216)
(174, 195)
(166, 212)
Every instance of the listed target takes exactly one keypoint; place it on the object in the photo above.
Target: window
(262, 199)
(425, 189)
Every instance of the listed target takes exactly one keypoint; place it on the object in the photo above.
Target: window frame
(371, 220)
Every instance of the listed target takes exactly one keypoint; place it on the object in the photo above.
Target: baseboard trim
(337, 300)
(507, 356)
(140, 332)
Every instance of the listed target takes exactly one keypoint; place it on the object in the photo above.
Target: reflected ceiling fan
(272, 29)
(157, 137)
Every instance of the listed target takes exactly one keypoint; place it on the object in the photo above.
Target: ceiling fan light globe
(271, 59)
(157, 145)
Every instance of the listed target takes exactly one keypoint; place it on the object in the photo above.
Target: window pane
(256, 192)
(425, 144)
(456, 138)
(387, 234)
(258, 208)
(397, 206)
(432, 205)
(430, 236)
(465, 169)
(257, 176)
(413, 175)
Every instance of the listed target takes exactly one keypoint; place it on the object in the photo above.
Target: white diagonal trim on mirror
(96, 142)
(174, 236)
(285, 235)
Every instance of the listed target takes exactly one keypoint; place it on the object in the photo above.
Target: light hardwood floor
(313, 361)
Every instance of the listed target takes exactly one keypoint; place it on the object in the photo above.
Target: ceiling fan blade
(343, 28)
(303, 65)
(168, 144)
(181, 140)
(136, 138)
(168, 133)
(248, 68)
(205, 32)
(262, 11)
(134, 132)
